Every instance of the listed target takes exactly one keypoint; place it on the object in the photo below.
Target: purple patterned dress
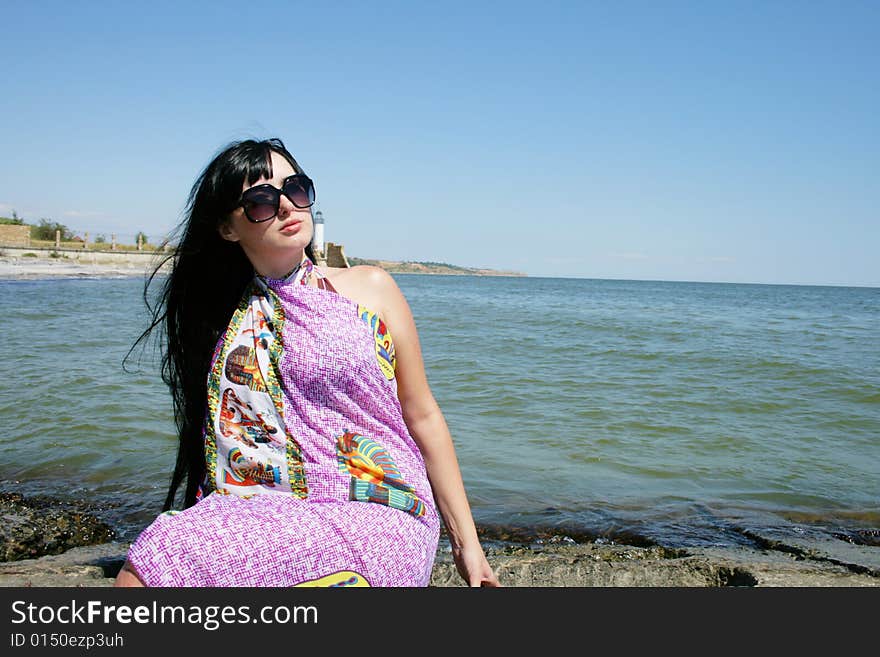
(312, 476)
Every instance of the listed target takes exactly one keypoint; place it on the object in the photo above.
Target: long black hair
(207, 278)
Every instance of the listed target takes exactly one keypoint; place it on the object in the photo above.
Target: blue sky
(709, 141)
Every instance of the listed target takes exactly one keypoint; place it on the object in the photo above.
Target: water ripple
(674, 405)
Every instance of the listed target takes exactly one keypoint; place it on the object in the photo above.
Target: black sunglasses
(261, 203)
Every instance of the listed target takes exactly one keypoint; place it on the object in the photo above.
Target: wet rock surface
(79, 551)
(95, 565)
(550, 565)
(590, 564)
(33, 527)
(855, 557)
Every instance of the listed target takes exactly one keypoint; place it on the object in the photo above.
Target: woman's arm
(428, 428)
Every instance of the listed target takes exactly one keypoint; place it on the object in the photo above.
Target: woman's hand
(473, 567)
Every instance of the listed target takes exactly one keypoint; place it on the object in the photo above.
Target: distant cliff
(430, 268)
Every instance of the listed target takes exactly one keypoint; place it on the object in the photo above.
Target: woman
(323, 458)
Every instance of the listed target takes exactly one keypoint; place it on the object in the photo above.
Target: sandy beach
(92, 265)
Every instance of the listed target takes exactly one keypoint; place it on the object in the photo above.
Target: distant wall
(13, 235)
(335, 255)
(140, 258)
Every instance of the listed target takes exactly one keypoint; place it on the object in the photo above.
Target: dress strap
(323, 282)
(300, 275)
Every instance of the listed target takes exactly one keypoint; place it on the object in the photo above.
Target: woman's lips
(291, 227)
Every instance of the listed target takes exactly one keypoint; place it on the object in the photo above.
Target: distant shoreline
(413, 267)
(38, 269)
(18, 268)
(47, 264)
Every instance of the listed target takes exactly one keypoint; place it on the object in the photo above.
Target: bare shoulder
(365, 284)
(360, 276)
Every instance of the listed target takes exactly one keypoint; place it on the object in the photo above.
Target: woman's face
(272, 244)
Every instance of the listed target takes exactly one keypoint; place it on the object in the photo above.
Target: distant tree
(354, 262)
(14, 221)
(45, 230)
(100, 239)
(141, 236)
(438, 264)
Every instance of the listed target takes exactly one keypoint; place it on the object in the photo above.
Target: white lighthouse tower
(318, 241)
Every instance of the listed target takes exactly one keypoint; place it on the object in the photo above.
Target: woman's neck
(277, 268)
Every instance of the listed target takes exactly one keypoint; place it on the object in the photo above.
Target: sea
(640, 412)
